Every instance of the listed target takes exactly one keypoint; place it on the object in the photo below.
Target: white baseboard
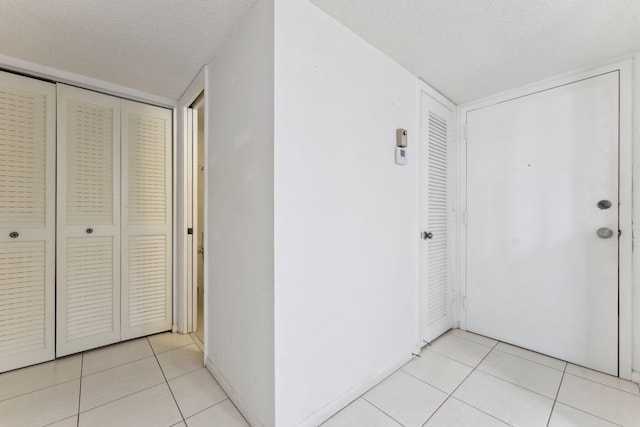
(635, 377)
(251, 418)
(334, 406)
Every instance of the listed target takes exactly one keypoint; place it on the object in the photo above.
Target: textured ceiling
(470, 49)
(156, 46)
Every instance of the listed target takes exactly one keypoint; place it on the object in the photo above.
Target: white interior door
(88, 256)
(436, 300)
(146, 220)
(27, 221)
(538, 274)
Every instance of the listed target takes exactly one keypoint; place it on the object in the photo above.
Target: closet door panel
(146, 220)
(27, 221)
(88, 273)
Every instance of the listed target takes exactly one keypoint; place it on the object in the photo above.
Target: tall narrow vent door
(146, 219)
(27, 221)
(88, 273)
(436, 304)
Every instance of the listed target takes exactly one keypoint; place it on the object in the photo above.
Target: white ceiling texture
(468, 49)
(155, 46)
(465, 49)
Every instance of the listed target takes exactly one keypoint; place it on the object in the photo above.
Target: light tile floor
(463, 379)
(155, 381)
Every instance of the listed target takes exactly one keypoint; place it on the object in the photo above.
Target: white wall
(345, 215)
(239, 246)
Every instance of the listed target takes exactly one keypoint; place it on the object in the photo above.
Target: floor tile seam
(606, 385)
(40, 389)
(80, 389)
(425, 382)
(191, 372)
(481, 410)
(476, 342)
(555, 400)
(380, 409)
(208, 407)
(171, 349)
(168, 386)
(533, 361)
(61, 419)
(589, 413)
(119, 366)
(517, 385)
(458, 386)
(450, 358)
(122, 397)
(183, 374)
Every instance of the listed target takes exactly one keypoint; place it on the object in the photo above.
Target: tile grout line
(525, 359)
(167, 382)
(533, 361)
(461, 382)
(379, 409)
(515, 384)
(209, 407)
(122, 397)
(593, 415)
(557, 393)
(80, 389)
(515, 355)
(480, 410)
(39, 389)
(603, 384)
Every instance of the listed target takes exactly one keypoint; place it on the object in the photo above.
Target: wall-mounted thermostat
(401, 146)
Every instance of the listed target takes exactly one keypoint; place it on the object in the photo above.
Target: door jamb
(624, 66)
(183, 301)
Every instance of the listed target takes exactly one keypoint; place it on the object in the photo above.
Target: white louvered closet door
(146, 219)
(27, 221)
(436, 301)
(88, 262)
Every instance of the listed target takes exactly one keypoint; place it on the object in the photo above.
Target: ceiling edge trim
(36, 70)
(545, 82)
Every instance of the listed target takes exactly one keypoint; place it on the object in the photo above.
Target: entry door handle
(427, 235)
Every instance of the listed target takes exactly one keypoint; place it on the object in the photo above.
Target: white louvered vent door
(27, 221)
(88, 262)
(436, 301)
(146, 219)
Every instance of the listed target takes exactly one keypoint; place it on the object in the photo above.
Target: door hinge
(465, 130)
(464, 303)
(619, 233)
(465, 217)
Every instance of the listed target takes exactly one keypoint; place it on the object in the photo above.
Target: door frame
(425, 90)
(625, 283)
(184, 302)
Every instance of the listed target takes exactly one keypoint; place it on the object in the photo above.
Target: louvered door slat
(27, 207)
(436, 295)
(88, 220)
(146, 220)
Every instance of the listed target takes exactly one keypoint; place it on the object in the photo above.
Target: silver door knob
(604, 204)
(604, 232)
(426, 235)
